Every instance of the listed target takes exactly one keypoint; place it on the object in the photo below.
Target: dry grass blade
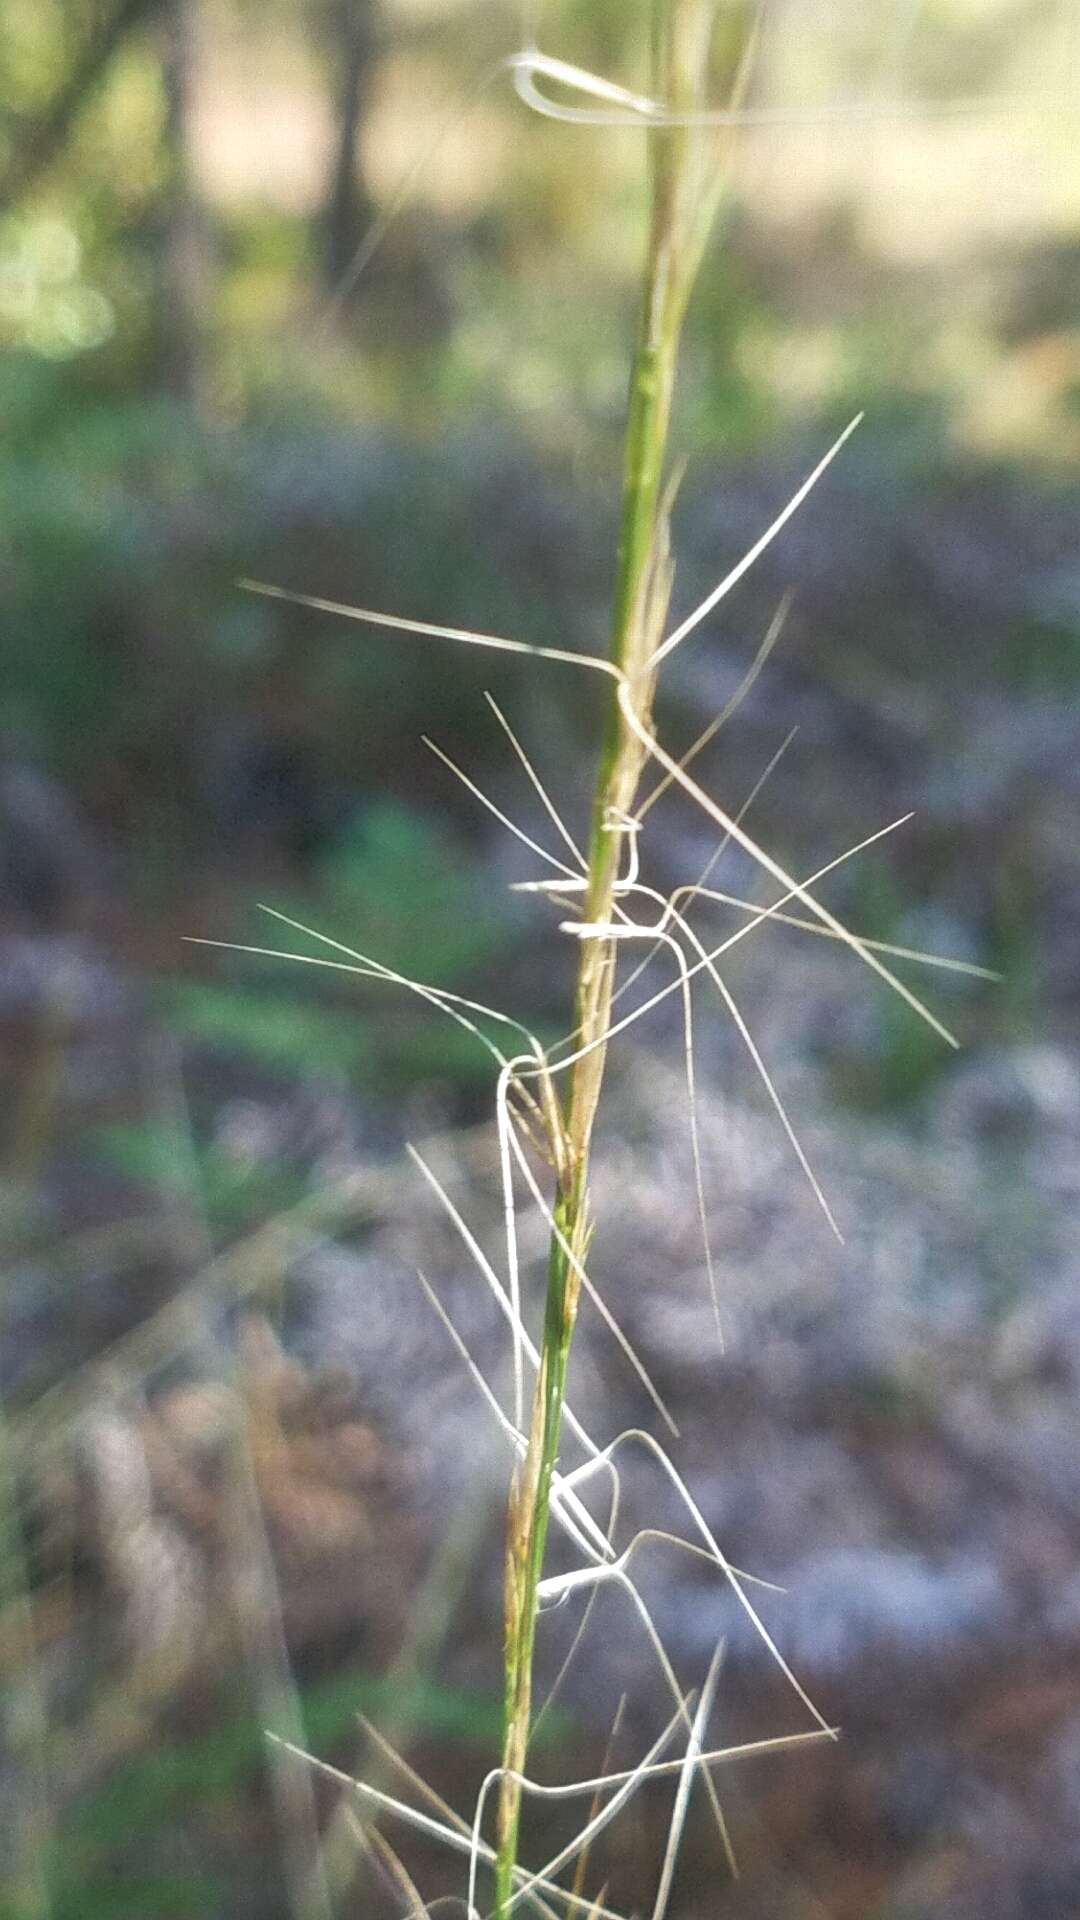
(626, 1786)
(761, 916)
(572, 1516)
(252, 1581)
(764, 1075)
(581, 1270)
(249, 1268)
(773, 867)
(576, 1518)
(639, 1437)
(945, 963)
(709, 733)
(544, 796)
(691, 1759)
(624, 930)
(648, 741)
(755, 550)
(375, 1844)
(577, 1885)
(618, 106)
(684, 895)
(503, 818)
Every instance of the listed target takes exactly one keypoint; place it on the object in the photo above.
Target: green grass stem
(677, 194)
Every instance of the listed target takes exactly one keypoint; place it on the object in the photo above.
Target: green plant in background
(234, 1192)
(151, 1797)
(279, 1031)
(892, 1063)
(405, 886)
(409, 888)
(1042, 657)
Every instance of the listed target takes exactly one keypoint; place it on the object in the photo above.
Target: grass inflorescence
(548, 1097)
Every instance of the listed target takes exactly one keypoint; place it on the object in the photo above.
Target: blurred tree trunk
(184, 261)
(36, 147)
(352, 36)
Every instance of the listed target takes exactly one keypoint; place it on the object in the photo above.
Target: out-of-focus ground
(247, 1482)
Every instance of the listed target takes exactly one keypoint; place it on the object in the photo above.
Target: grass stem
(678, 196)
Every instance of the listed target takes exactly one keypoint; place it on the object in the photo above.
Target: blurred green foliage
(1042, 656)
(234, 1192)
(418, 903)
(893, 1061)
(413, 897)
(492, 335)
(125, 528)
(182, 1797)
(279, 1030)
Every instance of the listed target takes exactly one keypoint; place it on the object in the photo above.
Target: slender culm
(678, 197)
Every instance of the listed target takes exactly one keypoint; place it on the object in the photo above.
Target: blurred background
(245, 1482)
